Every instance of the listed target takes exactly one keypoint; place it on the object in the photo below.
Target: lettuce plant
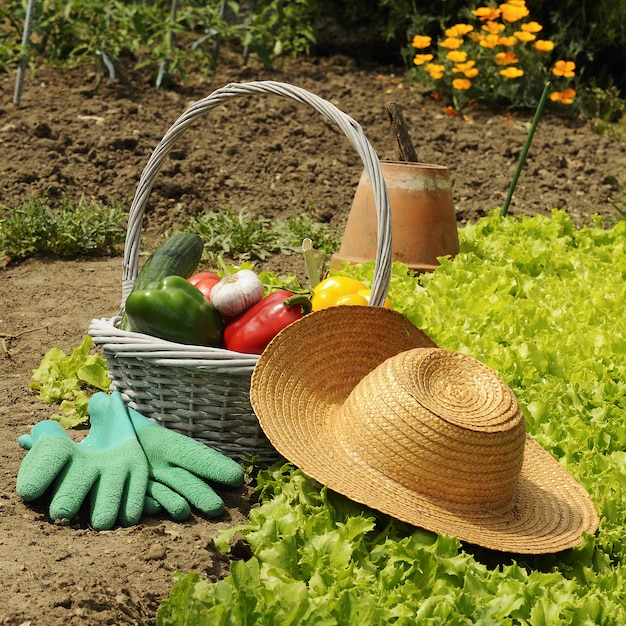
(543, 304)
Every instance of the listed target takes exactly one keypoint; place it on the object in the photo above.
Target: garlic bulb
(236, 293)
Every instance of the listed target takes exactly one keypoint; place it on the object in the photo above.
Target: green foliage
(71, 230)
(280, 28)
(620, 204)
(173, 43)
(10, 50)
(540, 302)
(605, 108)
(65, 380)
(292, 232)
(240, 236)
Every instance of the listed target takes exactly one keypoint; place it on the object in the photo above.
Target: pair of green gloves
(127, 465)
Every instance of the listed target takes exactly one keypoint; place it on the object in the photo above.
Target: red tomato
(204, 281)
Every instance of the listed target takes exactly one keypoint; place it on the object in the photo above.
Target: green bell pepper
(175, 310)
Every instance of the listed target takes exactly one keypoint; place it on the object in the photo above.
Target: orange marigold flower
(435, 70)
(508, 42)
(513, 11)
(457, 56)
(565, 97)
(486, 13)
(421, 41)
(524, 35)
(494, 28)
(506, 58)
(462, 84)
(451, 42)
(544, 45)
(420, 59)
(564, 68)
(490, 41)
(512, 72)
(532, 27)
(458, 30)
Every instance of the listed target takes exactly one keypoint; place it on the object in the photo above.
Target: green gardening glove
(179, 468)
(108, 466)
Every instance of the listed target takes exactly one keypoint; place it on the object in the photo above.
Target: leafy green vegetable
(543, 304)
(62, 379)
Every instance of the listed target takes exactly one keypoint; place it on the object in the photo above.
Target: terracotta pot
(423, 220)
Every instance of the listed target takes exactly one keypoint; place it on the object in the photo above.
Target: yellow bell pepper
(366, 293)
(338, 290)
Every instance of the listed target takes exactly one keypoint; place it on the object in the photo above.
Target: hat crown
(440, 423)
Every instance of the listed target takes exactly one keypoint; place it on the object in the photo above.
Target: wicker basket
(201, 391)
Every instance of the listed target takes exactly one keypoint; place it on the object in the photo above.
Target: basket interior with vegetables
(183, 348)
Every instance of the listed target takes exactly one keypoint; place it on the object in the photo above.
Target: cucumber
(178, 255)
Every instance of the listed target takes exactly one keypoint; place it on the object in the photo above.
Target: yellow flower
(494, 28)
(513, 11)
(467, 69)
(461, 84)
(544, 45)
(506, 58)
(532, 27)
(564, 68)
(490, 41)
(451, 42)
(512, 72)
(486, 13)
(458, 30)
(420, 59)
(456, 56)
(507, 41)
(524, 35)
(421, 41)
(435, 70)
(565, 97)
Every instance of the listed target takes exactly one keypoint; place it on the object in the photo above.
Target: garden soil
(270, 156)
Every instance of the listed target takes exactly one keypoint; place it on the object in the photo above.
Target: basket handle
(350, 127)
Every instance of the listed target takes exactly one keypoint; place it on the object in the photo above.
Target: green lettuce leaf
(65, 379)
(542, 303)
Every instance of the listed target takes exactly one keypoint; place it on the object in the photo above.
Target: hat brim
(305, 375)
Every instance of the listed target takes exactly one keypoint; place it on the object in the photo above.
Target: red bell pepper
(255, 328)
(205, 281)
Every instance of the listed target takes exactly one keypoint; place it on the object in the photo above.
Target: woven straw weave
(201, 391)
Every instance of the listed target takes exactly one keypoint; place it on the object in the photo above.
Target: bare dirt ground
(268, 155)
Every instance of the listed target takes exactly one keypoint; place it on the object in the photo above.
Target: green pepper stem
(299, 299)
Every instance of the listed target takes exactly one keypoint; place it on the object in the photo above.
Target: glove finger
(174, 448)
(70, 489)
(151, 506)
(133, 497)
(25, 441)
(41, 465)
(172, 502)
(193, 489)
(105, 500)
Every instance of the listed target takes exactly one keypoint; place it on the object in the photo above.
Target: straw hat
(364, 402)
